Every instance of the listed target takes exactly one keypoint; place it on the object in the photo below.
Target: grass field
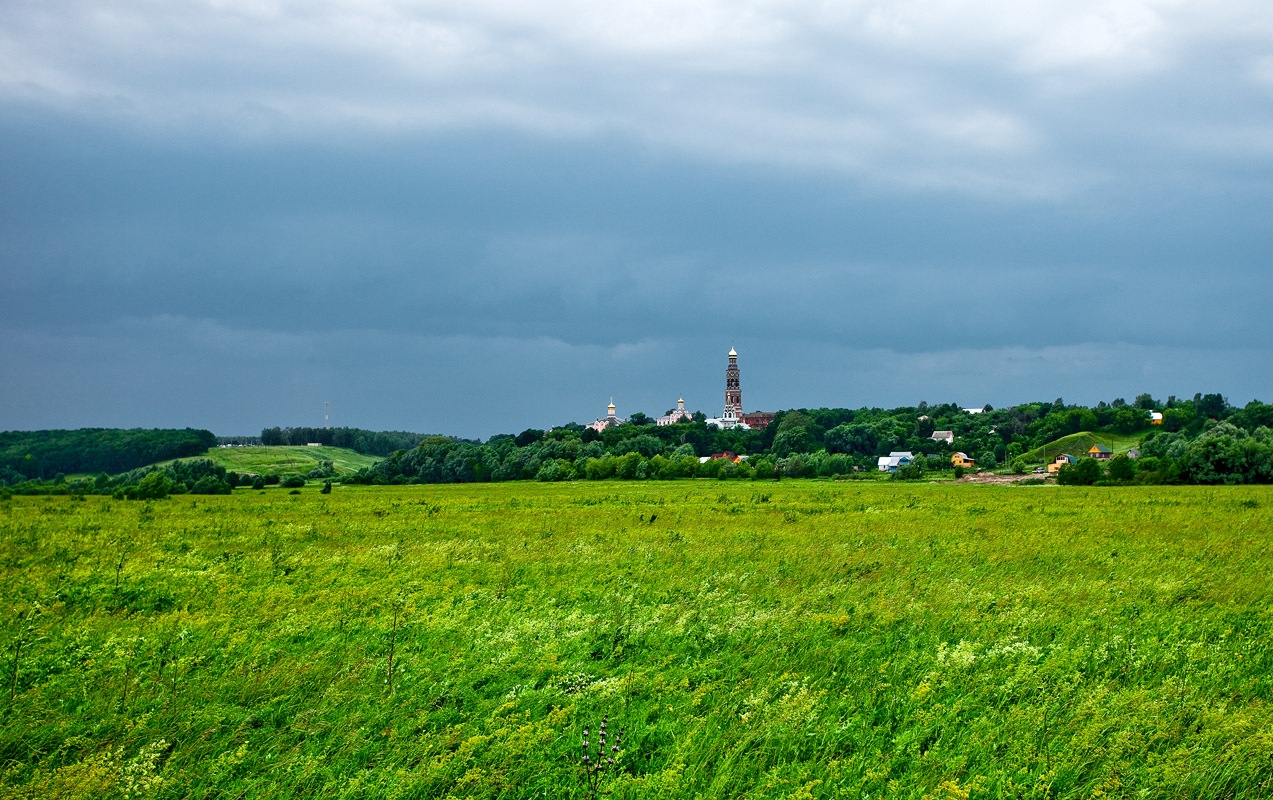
(798, 639)
(282, 460)
(1077, 444)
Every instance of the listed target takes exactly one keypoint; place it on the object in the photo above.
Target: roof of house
(1099, 448)
(895, 459)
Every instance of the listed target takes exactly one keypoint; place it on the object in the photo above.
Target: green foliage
(1121, 468)
(371, 443)
(1225, 453)
(44, 454)
(825, 443)
(791, 639)
(1085, 472)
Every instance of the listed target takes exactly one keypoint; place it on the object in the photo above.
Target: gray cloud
(215, 214)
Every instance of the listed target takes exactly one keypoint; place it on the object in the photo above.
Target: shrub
(1085, 473)
(210, 485)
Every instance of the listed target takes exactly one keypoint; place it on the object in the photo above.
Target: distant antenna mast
(327, 415)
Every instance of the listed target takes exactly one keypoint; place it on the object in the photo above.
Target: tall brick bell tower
(733, 392)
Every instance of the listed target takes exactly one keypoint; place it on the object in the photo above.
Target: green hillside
(283, 460)
(1076, 444)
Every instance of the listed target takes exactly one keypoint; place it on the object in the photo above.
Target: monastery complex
(732, 416)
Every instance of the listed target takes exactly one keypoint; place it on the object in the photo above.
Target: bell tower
(733, 389)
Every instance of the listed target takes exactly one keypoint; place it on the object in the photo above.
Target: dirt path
(990, 477)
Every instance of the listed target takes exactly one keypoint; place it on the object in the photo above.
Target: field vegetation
(793, 639)
(283, 460)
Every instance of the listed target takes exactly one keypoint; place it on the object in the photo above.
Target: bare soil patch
(990, 477)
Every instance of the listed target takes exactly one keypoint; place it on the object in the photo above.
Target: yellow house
(962, 460)
(1060, 461)
(1100, 452)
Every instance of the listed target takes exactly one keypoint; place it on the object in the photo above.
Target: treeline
(371, 443)
(194, 476)
(846, 442)
(191, 476)
(43, 455)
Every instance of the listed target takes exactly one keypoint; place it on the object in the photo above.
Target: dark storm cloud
(476, 218)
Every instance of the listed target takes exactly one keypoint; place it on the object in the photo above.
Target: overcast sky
(482, 216)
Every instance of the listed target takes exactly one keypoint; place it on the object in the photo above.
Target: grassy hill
(1076, 444)
(283, 460)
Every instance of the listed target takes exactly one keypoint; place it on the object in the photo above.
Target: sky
(478, 217)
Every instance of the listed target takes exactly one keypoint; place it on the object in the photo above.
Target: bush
(153, 486)
(913, 471)
(1122, 469)
(1085, 473)
(210, 485)
(293, 482)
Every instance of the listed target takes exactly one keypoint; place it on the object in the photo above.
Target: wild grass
(282, 460)
(795, 639)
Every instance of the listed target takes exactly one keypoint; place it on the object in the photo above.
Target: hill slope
(282, 460)
(1077, 444)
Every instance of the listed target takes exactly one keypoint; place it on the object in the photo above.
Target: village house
(895, 460)
(1060, 461)
(728, 455)
(943, 436)
(1100, 452)
(962, 460)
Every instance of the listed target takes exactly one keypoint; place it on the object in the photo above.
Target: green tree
(1121, 468)
(154, 486)
(1085, 473)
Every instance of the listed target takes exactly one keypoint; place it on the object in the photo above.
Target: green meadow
(283, 460)
(765, 640)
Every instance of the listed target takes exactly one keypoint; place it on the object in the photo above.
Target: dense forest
(1200, 440)
(43, 455)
